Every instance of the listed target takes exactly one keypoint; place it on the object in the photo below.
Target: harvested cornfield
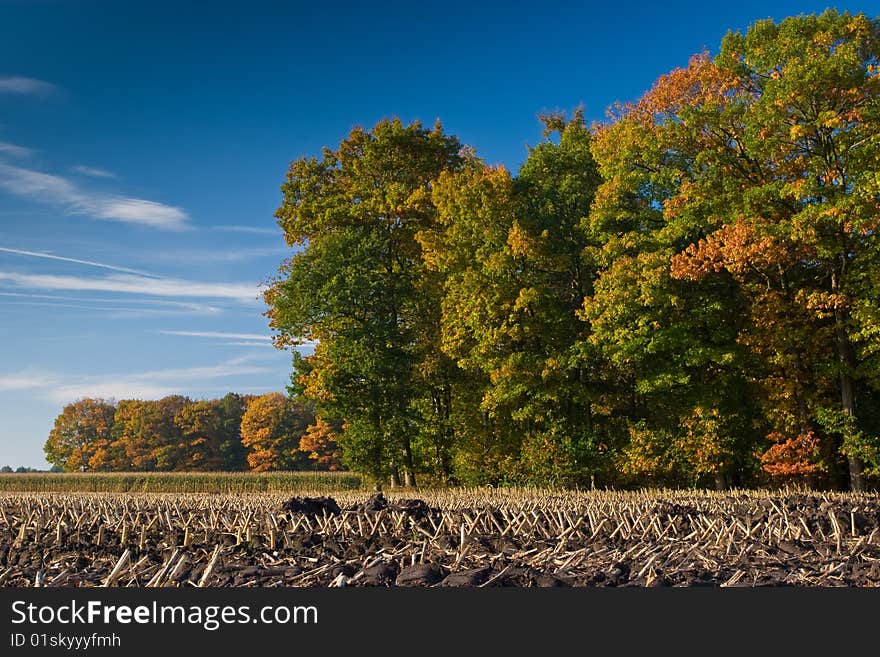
(452, 538)
(177, 482)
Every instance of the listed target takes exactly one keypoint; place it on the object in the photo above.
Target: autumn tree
(673, 348)
(81, 432)
(354, 286)
(201, 426)
(146, 436)
(211, 434)
(271, 430)
(320, 444)
(740, 190)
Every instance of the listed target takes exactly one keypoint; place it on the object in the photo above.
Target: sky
(143, 146)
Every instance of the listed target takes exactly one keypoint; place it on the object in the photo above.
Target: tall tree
(673, 347)
(748, 178)
(354, 285)
(468, 247)
(511, 252)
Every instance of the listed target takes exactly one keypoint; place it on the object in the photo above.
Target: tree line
(175, 433)
(687, 294)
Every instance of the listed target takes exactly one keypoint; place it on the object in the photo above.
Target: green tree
(233, 455)
(672, 347)
(511, 253)
(740, 204)
(355, 284)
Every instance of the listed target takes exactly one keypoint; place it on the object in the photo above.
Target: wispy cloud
(234, 367)
(218, 256)
(183, 306)
(105, 312)
(14, 150)
(244, 344)
(110, 389)
(257, 230)
(90, 263)
(124, 283)
(94, 172)
(218, 334)
(58, 190)
(25, 380)
(23, 86)
(151, 384)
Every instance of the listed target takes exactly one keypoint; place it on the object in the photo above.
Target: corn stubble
(484, 537)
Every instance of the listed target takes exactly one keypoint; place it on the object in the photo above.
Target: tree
(232, 453)
(468, 248)
(271, 429)
(80, 432)
(146, 436)
(672, 348)
(744, 183)
(354, 285)
(201, 424)
(320, 444)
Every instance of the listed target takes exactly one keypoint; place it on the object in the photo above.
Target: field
(480, 537)
(178, 482)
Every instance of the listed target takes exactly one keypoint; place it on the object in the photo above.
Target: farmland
(178, 482)
(468, 537)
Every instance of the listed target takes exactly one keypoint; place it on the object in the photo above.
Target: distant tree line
(7, 469)
(687, 294)
(175, 433)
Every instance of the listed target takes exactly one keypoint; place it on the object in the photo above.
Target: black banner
(448, 621)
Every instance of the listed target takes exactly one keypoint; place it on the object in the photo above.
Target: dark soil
(738, 540)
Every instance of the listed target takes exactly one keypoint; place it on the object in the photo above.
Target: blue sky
(142, 146)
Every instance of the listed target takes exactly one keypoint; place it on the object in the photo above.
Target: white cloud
(118, 389)
(94, 172)
(137, 211)
(26, 86)
(218, 334)
(90, 263)
(198, 308)
(244, 344)
(257, 230)
(57, 190)
(124, 283)
(149, 385)
(26, 380)
(152, 384)
(14, 151)
(218, 256)
(107, 312)
(235, 367)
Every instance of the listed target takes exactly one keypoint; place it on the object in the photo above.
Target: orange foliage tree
(319, 443)
(81, 432)
(271, 429)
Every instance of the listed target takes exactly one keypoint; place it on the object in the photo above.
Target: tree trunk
(409, 472)
(847, 400)
(720, 481)
(847, 386)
